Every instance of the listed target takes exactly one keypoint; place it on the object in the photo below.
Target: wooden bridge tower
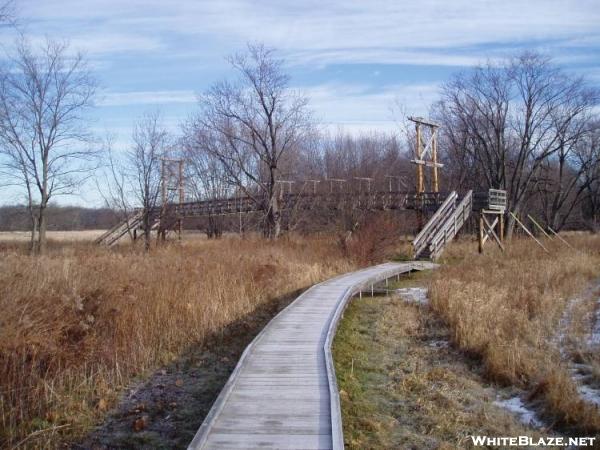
(426, 153)
(171, 180)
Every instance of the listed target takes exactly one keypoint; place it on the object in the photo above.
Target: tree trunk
(34, 228)
(556, 222)
(147, 237)
(43, 224)
(213, 227)
(273, 219)
(510, 222)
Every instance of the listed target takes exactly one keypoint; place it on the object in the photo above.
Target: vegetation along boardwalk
(283, 392)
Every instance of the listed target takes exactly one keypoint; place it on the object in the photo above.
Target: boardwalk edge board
(337, 432)
(383, 272)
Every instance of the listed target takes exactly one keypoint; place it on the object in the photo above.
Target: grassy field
(84, 323)
(403, 386)
(81, 323)
(507, 308)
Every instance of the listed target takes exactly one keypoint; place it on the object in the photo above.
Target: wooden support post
(181, 199)
(492, 232)
(489, 228)
(539, 227)
(501, 228)
(480, 232)
(420, 187)
(436, 185)
(561, 239)
(528, 232)
(163, 209)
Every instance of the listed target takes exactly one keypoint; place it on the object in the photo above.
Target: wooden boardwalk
(283, 393)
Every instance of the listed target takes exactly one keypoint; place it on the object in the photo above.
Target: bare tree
(503, 122)
(44, 95)
(8, 13)
(143, 165)
(566, 176)
(250, 124)
(132, 177)
(590, 151)
(206, 178)
(113, 184)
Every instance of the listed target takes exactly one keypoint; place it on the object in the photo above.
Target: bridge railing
(451, 226)
(421, 240)
(492, 200)
(380, 200)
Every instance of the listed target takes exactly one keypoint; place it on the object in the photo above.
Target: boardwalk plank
(283, 393)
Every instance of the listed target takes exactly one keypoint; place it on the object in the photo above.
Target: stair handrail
(128, 225)
(119, 225)
(462, 211)
(464, 205)
(433, 221)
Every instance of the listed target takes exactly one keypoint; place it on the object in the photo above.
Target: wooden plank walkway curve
(283, 392)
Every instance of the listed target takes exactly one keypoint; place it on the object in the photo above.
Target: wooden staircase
(134, 222)
(111, 237)
(443, 226)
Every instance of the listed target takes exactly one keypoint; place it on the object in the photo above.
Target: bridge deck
(283, 393)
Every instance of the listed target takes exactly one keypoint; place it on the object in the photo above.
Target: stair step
(449, 218)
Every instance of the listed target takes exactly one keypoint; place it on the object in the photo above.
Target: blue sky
(354, 59)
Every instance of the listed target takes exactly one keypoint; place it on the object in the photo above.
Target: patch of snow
(515, 406)
(560, 339)
(413, 295)
(580, 375)
(594, 339)
(589, 394)
(580, 372)
(440, 343)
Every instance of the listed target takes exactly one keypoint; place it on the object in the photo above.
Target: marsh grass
(506, 309)
(81, 323)
(399, 389)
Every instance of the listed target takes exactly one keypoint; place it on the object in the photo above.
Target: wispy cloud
(362, 106)
(355, 59)
(425, 32)
(102, 44)
(146, 98)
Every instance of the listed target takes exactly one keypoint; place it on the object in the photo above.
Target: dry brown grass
(506, 308)
(376, 239)
(79, 324)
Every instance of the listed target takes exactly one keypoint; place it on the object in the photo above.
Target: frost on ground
(413, 294)
(516, 406)
(584, 383)
(439, 343)
(594, 339)
(565, 324)
(580, 372)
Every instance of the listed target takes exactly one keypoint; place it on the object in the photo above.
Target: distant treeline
(64, 218)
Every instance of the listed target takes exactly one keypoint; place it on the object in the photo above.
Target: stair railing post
(480, 232)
